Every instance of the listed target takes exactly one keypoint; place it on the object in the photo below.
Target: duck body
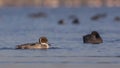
(117, 18)
(38, 15)
(42, 44)
(61, 22)
(98, 16)
(93, 38)
(33, 46)
(75, 21)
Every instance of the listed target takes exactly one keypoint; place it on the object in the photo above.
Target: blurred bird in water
(93, 38)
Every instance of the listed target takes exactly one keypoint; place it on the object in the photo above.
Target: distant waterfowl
(75, 21)
(98, 16)
(38, 15)
(42, 44)
(61, 22)
(117, 18)
(93, 38)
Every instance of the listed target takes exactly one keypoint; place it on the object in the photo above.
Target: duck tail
(18, 47)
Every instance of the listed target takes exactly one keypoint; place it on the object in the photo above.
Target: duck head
(43, 40)
(96, 34)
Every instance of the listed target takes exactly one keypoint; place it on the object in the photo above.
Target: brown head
(96, 34)
(43, 40)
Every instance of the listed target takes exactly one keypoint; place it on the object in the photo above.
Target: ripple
(102, 56)
(57, 62)
(7, 48)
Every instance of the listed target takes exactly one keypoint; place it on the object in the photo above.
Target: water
(67, 50)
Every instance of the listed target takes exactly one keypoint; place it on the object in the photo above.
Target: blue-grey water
(67, 48)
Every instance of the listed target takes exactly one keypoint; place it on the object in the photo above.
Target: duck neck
(44, 45)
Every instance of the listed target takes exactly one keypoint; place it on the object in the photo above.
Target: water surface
(67, 50)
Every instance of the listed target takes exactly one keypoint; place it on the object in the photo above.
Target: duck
(93, 38)
(117, 18)
(42, 44)
(61, 22)
(75, 21)
(98, 16)
(38, 15)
